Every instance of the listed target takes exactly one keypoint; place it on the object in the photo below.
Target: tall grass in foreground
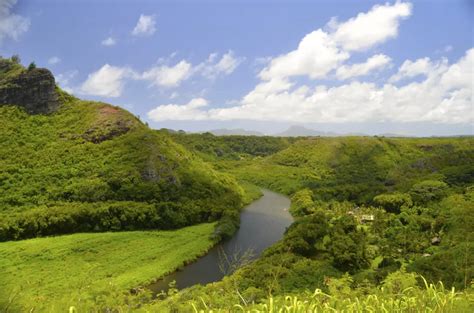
(431, 298)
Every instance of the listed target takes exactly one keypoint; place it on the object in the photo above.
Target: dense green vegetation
(94, 167)
(364, 207)
(44, 274)
(235, 147)
(399, 292)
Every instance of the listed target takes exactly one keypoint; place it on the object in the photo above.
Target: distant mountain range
(292, 131)
(235, 131)
(301, 131)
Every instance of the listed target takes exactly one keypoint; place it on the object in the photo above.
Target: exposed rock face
(33, 90)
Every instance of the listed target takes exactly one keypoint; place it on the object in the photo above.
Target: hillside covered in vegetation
(369, 213)
(89, 166)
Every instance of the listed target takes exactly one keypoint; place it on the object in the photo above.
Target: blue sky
(344, 66)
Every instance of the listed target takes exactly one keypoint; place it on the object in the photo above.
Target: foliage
(342, 297)
(235, 147)
(302, 203)
(32, 66)
(338, 186)
(393, 202)
(54, 272)
(428, 190)
(94, 167)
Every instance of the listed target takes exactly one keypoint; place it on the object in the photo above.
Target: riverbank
(262, 223)
(48, 273)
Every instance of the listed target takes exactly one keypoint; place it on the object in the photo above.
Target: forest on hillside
(369, 212)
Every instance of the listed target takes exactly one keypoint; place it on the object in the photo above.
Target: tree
(347, 245)
(302, 203)
(16, 59)
(32, 66)
(428, 190)
(393, 202)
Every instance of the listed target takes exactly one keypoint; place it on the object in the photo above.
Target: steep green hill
(358, 168)
(234, 147)
(89, 166)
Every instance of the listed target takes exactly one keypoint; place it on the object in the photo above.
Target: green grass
(431, 299)
(402, 296)
(43, 271)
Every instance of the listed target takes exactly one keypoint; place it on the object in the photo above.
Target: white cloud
(11, 25)
(168, 76)
(108, 81)
(321, 52)
(376, 62)
(64, 80)
(109, 41)
(190, 111)
(316, 55)
(214, 66)
(444, 96)
(371, 28)
(54, 60)
(145, 26)
(461, 74)
(411, 69)
(448, 48)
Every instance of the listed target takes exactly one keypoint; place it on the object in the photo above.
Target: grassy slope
(76, 162)
(380, 164)
(45, 271)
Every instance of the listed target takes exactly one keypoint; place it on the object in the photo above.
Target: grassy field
(45, 272)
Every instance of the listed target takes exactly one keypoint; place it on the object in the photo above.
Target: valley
(98, 211)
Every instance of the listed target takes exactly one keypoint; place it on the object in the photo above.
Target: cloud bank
(420, 90)
(109, 81)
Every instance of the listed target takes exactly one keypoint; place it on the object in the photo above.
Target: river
(262, 223)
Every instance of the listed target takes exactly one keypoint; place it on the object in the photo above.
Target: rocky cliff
(33, 89)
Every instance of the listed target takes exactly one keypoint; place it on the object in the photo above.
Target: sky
(373, 67)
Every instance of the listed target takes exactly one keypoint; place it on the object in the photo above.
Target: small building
(367, 218)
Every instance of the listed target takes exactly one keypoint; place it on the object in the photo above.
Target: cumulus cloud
(317, 54)
(168, 76)
(145, 26)
(411, 69)
(368, 29)
(214, 66)
(445, 96)
(190, 111)
(109, 41)
(376, 62)
(54, 60)
(108, 81)
(321, 52)
(11, 25)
